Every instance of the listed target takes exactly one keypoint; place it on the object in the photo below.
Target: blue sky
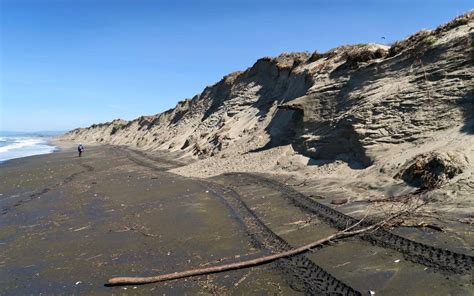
(66, 64)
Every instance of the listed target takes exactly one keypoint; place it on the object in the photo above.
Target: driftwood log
(247, 263)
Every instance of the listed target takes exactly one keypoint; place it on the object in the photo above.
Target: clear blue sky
(71, 63)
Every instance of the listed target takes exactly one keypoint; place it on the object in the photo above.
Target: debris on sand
(339, 201)
(431, 170)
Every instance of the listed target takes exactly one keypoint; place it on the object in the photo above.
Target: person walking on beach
(80, 149)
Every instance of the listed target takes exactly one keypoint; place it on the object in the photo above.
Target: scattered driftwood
(388, 199)
(138, 230)
(249, 263)
(424, 225)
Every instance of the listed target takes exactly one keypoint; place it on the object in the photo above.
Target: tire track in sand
(302, 274)
(39, 193)
(436, 258)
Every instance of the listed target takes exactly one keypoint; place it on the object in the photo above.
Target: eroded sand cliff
(359, 120)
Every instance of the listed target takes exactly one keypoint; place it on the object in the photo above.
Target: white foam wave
(20, 143)
(18, 147)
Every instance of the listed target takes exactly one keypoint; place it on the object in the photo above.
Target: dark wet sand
(67, 224)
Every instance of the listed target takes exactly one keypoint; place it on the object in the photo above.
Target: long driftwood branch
(247, 263)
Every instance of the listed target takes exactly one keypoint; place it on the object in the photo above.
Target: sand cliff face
(350, 104)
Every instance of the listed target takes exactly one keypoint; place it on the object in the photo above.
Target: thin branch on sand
(253, 262)
(137, 229)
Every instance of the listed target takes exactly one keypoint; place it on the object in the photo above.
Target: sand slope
(352, 119)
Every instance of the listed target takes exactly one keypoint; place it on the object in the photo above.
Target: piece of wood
(339, 201)
(424, 225)
(247, 263)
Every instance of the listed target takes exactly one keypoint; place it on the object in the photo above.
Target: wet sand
(67, 224)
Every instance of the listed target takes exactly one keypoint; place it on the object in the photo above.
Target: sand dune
(356, 120)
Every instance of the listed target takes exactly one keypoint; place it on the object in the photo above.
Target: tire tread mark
(304, 275)
(43, 191)
(138, 156)
(436, 258)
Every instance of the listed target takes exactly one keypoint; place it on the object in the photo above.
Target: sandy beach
(237, 148)
(67, 224)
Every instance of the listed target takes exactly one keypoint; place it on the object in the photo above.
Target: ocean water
(12, 146)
